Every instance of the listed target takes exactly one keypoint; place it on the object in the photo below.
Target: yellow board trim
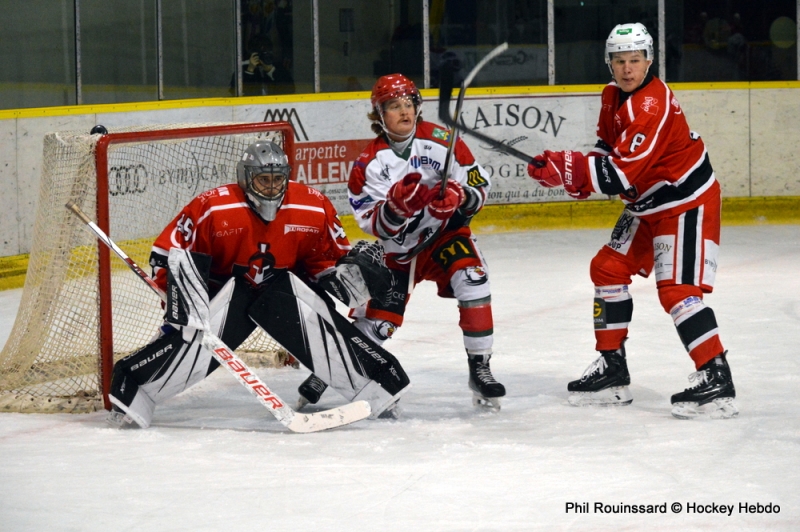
(535, 217)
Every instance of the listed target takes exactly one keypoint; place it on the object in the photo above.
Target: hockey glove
(444, 207)
(370, 260)
(408, 196)
(567, 168)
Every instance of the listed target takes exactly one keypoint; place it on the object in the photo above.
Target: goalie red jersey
(646, 152)
(305, 237)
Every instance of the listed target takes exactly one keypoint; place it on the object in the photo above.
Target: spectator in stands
(263, 74)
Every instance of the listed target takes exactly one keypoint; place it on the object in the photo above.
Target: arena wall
(752, 131)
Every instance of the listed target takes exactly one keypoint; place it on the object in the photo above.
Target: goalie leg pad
(169, 365)
(328, 344)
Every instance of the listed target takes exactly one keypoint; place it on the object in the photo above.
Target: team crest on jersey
(476, 275)
(650, 105)
(385, 173)
(260, 265)
(475, 179)
(441, 134)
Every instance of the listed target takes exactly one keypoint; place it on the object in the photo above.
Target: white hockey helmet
(627, 38)
(264, 158)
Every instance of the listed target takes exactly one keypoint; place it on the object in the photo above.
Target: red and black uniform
(305, 238)
(647, 155)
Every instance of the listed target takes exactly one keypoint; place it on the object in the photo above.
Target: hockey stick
(294, 421)
(446, 93)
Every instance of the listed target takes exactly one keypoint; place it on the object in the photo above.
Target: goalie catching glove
(554, 168)
(360, 275)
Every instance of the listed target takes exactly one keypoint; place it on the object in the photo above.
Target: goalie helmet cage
(81, 310)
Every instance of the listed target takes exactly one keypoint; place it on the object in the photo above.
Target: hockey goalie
(265, 252)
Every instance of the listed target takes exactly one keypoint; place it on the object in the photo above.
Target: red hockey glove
(443, 208)
(407, 196)
(566, 168)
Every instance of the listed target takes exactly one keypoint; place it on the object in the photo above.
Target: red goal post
(80, 309)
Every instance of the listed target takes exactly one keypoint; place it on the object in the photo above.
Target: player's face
(269, 185)
(629, 69)
(399, 116)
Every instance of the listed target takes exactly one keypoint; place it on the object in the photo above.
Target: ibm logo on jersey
(417, 161)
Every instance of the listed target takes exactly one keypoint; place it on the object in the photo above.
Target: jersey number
(638, 140)
(185, 226)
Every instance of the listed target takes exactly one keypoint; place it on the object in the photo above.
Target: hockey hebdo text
(674, 507)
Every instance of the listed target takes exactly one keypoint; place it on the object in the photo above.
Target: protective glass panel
(464, 31)
(731, 40)
(118, 51)
(37, 54)
(268, 60)
(361, 40)
(581, 29)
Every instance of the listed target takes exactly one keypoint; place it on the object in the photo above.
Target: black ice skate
(605, 382)
(310, 391)
(712, 396)
(486, 390)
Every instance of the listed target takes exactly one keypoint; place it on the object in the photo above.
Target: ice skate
(118, 419)
(486, 390)
(711, 397)
(310, 391)
(605, 382)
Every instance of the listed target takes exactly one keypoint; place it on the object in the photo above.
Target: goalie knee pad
(326, 343)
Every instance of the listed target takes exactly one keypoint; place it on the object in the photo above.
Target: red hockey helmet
(394, 86)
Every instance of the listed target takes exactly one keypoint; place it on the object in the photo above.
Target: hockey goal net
(81, 307)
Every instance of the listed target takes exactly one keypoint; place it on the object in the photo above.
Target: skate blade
(301, 403)
(617, 396)
(490, 404)
(118, 420)
(722, 408)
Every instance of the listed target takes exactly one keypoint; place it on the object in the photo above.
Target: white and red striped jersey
(305, 237)
(379, 167)
(646, 153)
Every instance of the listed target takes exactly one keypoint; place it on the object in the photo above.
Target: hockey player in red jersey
(646, 154)
(395, 191)
(267, 249)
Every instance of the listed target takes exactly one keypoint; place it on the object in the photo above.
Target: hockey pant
(683, 251)
(454, 262)
(301, 320)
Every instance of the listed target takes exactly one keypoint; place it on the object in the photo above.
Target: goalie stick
(446, 93)
(294, 421)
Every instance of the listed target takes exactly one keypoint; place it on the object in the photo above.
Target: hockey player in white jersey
(395, 191)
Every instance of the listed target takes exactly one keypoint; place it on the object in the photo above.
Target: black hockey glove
(369, 258)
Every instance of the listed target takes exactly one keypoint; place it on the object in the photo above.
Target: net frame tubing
(105, 318)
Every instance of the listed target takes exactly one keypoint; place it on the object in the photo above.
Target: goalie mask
(394, 86)
(263, 173)
(629, 38)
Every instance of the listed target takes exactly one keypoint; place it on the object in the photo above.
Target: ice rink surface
(215, 460)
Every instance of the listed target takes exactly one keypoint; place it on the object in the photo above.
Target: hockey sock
(697, 327)
(612, 313)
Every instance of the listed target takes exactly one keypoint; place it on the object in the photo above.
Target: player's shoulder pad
(304, 194)
(433, 132)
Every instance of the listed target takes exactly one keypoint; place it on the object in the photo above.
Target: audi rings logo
(123, 180)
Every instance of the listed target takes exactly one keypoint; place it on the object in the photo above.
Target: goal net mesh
(51, 361)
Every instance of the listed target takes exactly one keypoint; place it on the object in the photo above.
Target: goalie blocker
(303, 320)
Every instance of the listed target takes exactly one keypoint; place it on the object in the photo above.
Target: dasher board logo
(287, 115)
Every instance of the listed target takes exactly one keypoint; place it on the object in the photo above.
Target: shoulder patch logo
(441, 134)
(650, 105)
(475, 179)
